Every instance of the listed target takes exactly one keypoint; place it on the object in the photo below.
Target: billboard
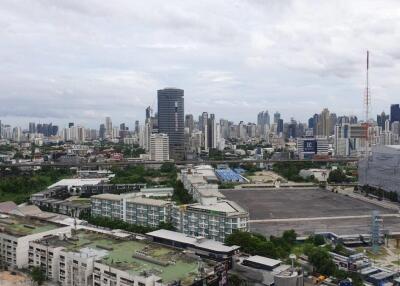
(310, 146)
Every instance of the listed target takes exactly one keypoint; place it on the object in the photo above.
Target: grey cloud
(83, 60)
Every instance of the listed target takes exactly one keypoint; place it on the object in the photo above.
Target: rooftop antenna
(367, 103)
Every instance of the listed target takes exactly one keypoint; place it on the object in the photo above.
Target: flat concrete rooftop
(135, 256)
(22, 226)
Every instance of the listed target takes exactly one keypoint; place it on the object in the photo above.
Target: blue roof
(228, 175)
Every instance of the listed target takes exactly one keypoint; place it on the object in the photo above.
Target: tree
(37, 275)
(181, 196)
(318, 240)
(168, 167)
(337, 176)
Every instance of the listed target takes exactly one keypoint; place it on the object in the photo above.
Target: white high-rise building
(159, 147)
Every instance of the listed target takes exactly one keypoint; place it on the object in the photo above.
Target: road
(194, 162)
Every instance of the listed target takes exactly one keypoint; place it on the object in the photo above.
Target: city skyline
(85, 61)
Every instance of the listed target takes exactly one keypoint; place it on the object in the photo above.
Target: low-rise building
(201, 246)
(92, 258)
(262, 270)
(132, 209)
(214, 219)
(15, 234)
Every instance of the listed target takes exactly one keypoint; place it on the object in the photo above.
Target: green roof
(139, 257)
(22, 226)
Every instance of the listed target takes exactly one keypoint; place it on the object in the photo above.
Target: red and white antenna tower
(367, 103)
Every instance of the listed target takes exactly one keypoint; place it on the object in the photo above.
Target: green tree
(318, 240)
(337, 176)
(37, 275)
(168, 167)
(181, 195)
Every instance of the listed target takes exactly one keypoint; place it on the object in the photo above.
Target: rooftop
(201, 243)
(23, 226)
(224, 206)
(135, 256)
(147, 201)
(77, 182)
(264, 261)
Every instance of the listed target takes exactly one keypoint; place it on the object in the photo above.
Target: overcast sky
(82, 60)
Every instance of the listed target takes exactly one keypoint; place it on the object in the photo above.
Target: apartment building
(15, 234)
(147, 212)
(214, 219)
(93, 258)
(159, 147)
(132, 208)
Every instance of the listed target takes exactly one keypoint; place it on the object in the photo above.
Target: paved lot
(294, 203)
(308, 203)
(342, 226)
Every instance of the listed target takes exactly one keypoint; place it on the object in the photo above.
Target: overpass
(125, 163)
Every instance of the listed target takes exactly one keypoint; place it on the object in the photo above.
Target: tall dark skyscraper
(102, 131)
(171, 120)
(394, 113)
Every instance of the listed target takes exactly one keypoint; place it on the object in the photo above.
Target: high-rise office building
(171, 120)
(381, 119)
(279, 128)
(212, 132)
(189, 122)
(32, 127)
(277, 116)
(148, 112)
(263, 121)
(1, 130)
(204, 130)
(108, 127)
(324, 123)
(137, 126)
(102, 131)
(71, 124)
(394, 113)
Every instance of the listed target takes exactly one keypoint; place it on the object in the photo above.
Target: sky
(80, 61)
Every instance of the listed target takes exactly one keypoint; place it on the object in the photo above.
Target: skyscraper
(189, 122)
(394, 113)
(137, 128)
(102, 131)
(204, 130)
(277, 116)
(171, 120)
(324, 123)
(32, 127)
(381, 119)
(263, 121)
(108, 127)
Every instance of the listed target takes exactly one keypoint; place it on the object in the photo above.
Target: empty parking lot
(274, 204)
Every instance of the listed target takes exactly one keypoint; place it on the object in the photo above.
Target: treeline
(166, 175)
(120, 224)
(258, 244)
(290, 170)
(280, 248)
(17, 186)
